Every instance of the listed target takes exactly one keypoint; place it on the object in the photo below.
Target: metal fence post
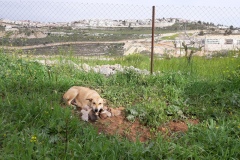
(152, 43)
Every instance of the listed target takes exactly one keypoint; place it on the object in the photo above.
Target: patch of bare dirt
(119, 125)
(177, 126)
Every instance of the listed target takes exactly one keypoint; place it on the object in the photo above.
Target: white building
(219, 42)
(9, 28)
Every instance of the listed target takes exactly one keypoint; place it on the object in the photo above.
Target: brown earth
(119, 125)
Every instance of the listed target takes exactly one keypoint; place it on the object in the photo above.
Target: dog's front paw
(84, 115)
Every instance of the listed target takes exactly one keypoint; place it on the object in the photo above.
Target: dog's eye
(100, 103)
(94, 103)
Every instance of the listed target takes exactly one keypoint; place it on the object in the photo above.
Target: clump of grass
(172, 37)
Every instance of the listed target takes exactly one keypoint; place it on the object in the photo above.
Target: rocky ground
(106, 70)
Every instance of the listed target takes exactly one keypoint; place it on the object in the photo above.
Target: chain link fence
(50, 28)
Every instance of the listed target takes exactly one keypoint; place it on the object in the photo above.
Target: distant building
(9, 28)
(223, 27)
(212, 41)
(221, 42)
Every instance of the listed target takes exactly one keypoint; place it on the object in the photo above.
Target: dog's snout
(96, 110)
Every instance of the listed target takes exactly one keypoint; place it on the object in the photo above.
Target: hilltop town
(93, 23)
(169, 36)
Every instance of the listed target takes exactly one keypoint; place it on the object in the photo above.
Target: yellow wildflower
(33, 139)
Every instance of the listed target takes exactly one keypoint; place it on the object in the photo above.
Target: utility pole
(152, 46)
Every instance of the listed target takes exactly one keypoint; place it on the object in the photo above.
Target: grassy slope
(34, 126)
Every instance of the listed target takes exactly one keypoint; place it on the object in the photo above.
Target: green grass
(106, 34)
(170, 37)
(33, 125)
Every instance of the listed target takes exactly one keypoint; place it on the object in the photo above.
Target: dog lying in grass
(85, 98)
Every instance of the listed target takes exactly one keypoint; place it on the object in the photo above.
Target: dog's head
(96, 104)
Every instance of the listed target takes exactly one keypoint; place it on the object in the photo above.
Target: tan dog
(84, 97)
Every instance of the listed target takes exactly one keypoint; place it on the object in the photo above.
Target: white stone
(86, 67)
(107, 113)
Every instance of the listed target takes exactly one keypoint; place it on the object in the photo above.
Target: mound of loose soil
(119, 125)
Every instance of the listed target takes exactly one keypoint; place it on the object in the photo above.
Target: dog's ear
(104, 101)
(89, 99)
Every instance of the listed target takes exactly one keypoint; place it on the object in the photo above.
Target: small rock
(104, 114)
(115, 112)
(86, 67)
(106, 70)
(109, 114)
(96, 69)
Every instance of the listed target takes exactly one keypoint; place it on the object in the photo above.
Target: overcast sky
(210, 3)
(215, 3)
(217, 11)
